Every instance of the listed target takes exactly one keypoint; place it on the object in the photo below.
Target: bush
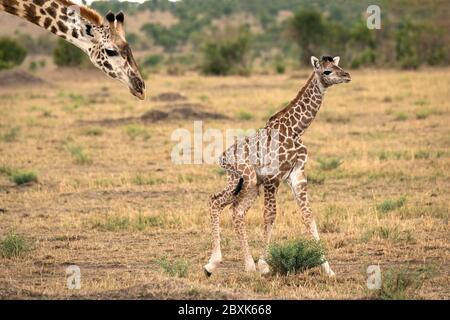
(152, 61)
(295, 256)
(13, 246)
(11, 53)
(227, 54)
(67, 55)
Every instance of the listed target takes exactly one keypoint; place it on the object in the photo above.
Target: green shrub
(227, 53)
(11, 53)
(295, 256)
(14, 245)
(152, 61)
(67, 55)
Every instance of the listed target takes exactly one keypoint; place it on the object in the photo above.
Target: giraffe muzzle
(137, 88)
(346, 77)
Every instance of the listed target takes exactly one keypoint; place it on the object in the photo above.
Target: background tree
(11, 53)
(67, 55)
(307, 29)
(227, 53)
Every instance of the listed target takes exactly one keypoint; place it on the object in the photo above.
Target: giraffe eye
(327, 72)
(111, 53)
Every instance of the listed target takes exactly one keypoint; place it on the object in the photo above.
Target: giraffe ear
(315, 62)
(336, 60)
(120, 17)
(110, 17)
(119, 24)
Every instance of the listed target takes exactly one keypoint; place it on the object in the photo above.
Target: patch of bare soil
(180, 111)
(184, 111)
(169, 97)
(155, 289)
(19, 78)
(173, 289)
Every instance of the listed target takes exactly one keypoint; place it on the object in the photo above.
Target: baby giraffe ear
(336, 60)
(315, 62)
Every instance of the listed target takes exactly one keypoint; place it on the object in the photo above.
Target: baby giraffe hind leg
(217, 203)
(240, 207)
(297, 182)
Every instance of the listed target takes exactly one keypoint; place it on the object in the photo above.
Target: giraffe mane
(87, 13)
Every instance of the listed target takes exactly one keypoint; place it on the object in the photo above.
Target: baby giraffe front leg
(270, 211)
(297, 181)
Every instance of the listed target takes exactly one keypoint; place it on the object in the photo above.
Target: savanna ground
(109, 199)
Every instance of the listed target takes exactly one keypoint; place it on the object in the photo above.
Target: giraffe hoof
(331, 274)
(207, 273)
(250, 266)
(263, 267)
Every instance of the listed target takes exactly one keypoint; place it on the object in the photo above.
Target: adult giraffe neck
(54, 16)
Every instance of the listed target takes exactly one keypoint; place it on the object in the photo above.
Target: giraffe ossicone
(104, 43)
(245, 161)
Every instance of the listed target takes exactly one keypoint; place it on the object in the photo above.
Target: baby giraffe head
(111, 53)
(328, 71)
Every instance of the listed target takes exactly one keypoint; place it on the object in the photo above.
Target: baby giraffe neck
(301, 111)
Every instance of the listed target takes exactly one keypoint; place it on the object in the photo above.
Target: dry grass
(110, 201)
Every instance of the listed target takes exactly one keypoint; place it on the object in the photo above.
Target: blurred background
(244, 37)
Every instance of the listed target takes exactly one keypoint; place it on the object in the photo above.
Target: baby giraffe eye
(111, 52)
(327, 72)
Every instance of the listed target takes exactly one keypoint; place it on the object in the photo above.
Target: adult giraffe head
(328, 71)
(110, 52)
(103, 41)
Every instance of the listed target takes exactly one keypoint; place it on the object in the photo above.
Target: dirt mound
(169, 97)
(19, 77)
(180, 111)
(184, 111)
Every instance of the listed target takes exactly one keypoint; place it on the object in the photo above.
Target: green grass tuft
(14, 245)
(295, 256)
(94, 131)
(19, 176)
(142, 180)
(244, 115)
(391, 204)
(133, 131)
(79, 154)
(10, 136)
(399, 284)
(139, 223)
(329, 163)
(175, 268)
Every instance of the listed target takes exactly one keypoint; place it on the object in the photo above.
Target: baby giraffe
(273, 154)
